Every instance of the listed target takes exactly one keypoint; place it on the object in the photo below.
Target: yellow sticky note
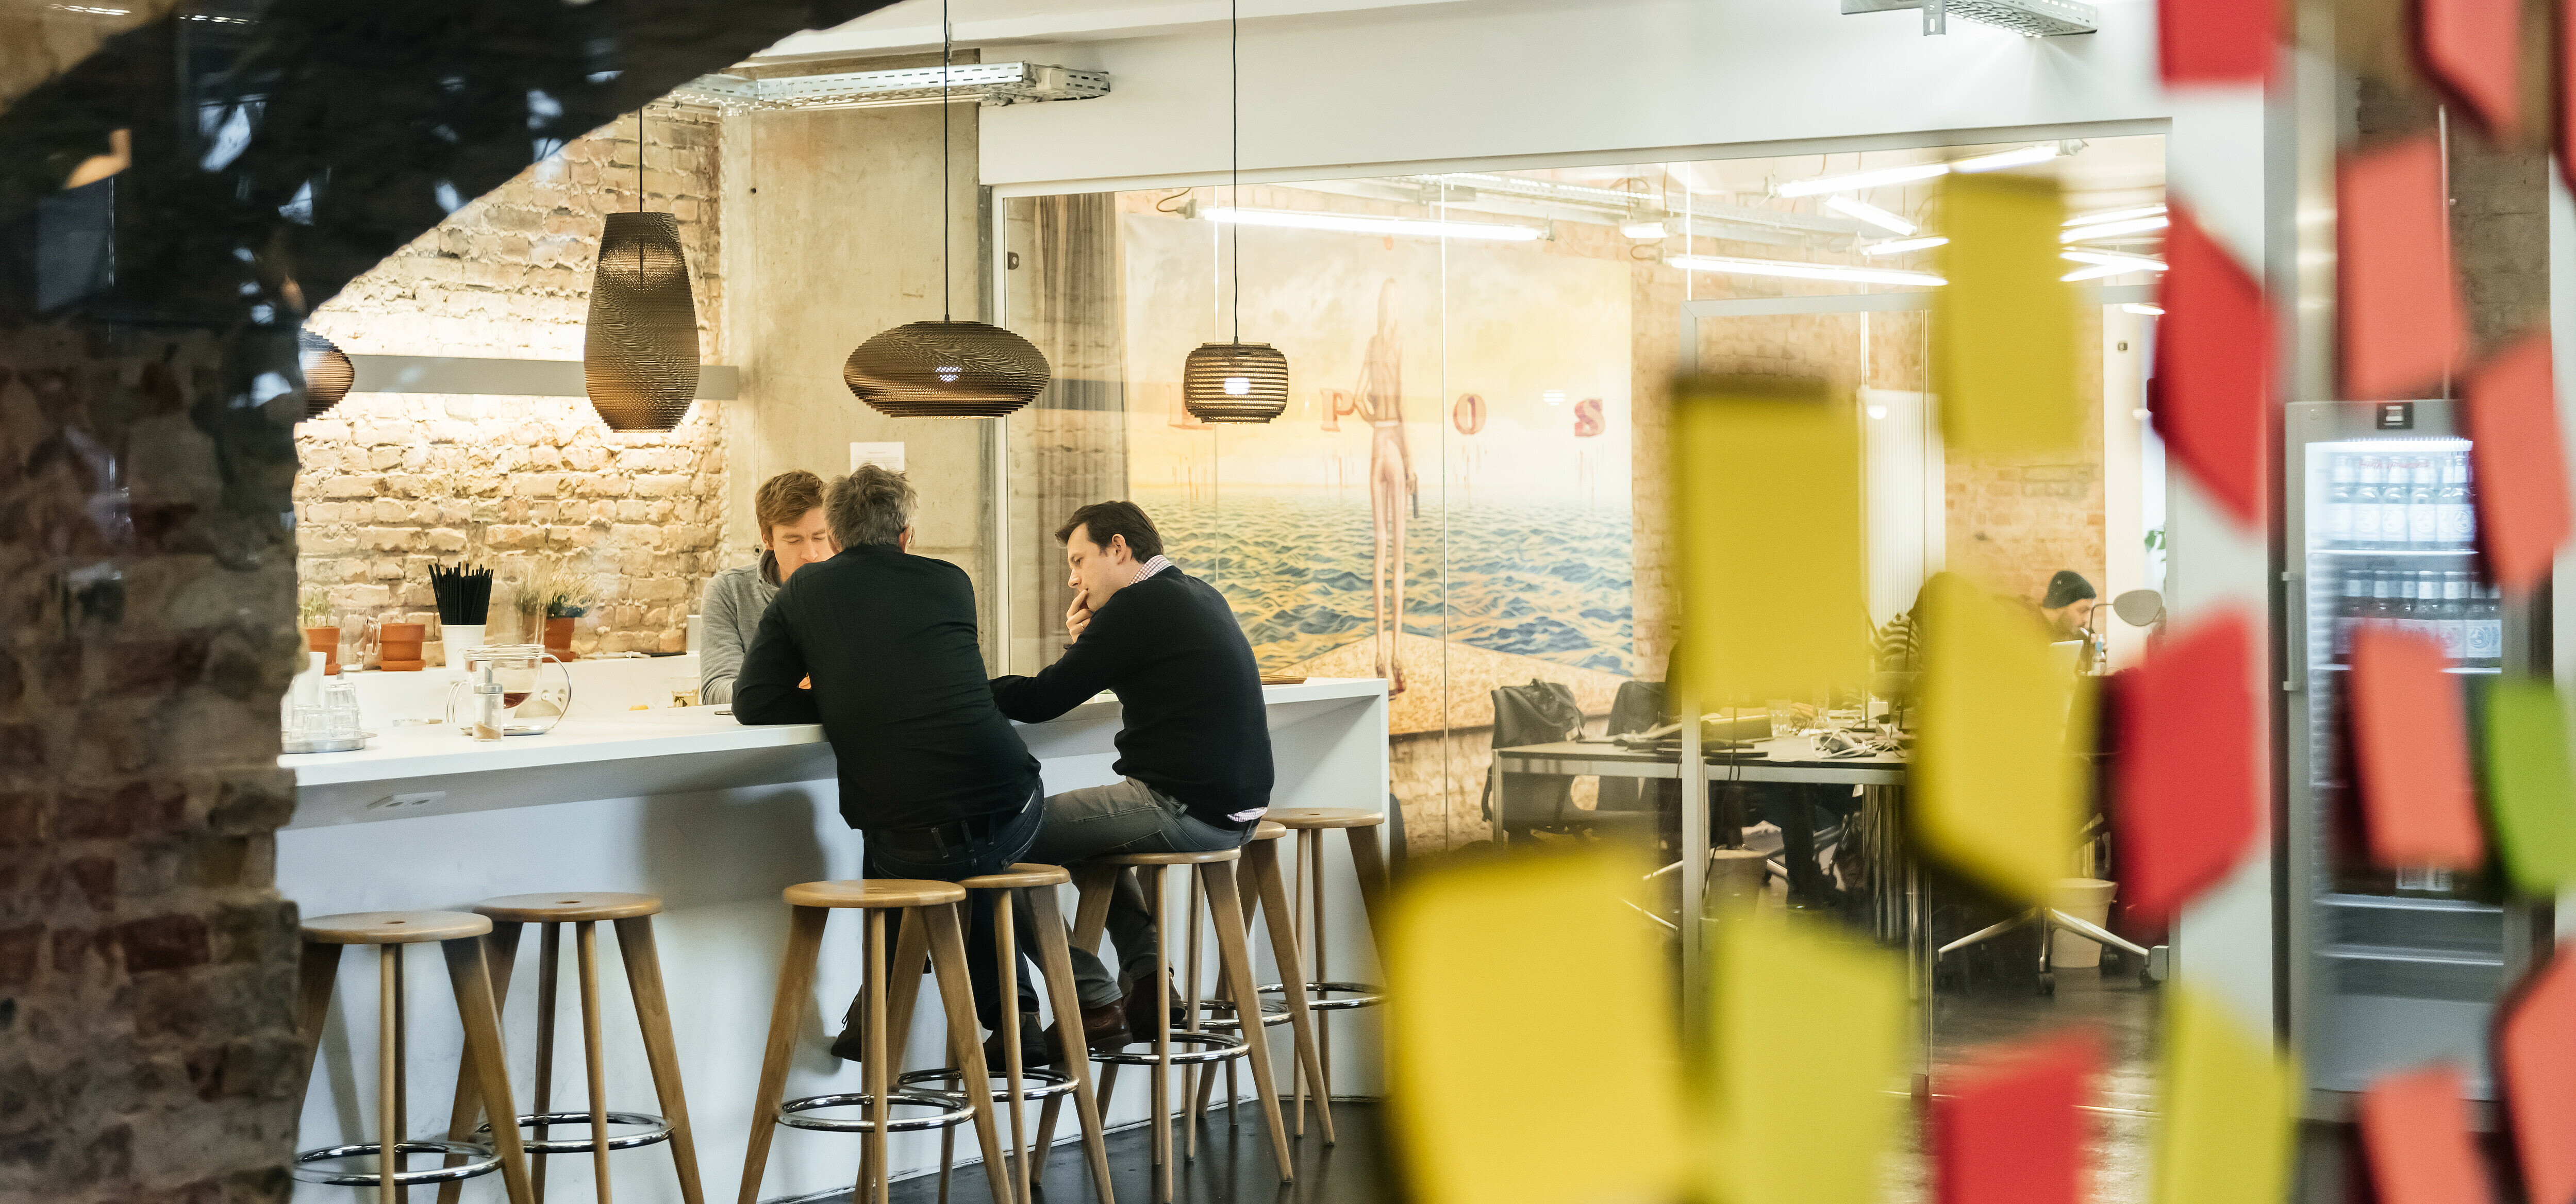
(2226, 1104)
(1510, 983)
(1998, 786)
(1769, 538)
(2003, 329)
(1807, 1045)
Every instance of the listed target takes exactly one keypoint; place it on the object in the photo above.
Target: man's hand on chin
(1078, 615)
(806, 682)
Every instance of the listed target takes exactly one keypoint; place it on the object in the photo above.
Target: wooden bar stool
(1215, 873)
(633, 916)
(1263, 887)
(928, 909)
(460, 939)
(1359, 828)
(1055, 965)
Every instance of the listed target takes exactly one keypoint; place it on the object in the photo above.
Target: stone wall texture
(394, 483)
(147, 965)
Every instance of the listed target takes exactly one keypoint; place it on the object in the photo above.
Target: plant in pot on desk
(563, 609)
(313, 613)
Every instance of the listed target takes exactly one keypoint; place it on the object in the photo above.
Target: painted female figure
(1391, 483)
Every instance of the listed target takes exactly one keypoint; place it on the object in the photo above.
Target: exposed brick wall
(394, 483)
(146, 962)
(2013, 522)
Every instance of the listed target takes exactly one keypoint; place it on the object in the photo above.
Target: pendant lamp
(1235, 381)
(327, 372)
(639, 356)
(947, 368)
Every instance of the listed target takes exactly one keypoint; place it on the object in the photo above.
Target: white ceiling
(913, 25)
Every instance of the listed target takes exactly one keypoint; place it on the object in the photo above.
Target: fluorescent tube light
(2113, 259)
(1899, 246)
(2115, 215)
(2138, 307)
(2000, 160)
(1644, 231)
(1864, 179)
(2135, 225)
(2093, 273)
(1354, 223)
(1801, 271)
(1854, 207)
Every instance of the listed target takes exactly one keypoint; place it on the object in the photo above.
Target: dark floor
(1233, 1164)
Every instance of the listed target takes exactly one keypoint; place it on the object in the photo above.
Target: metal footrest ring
(1274, 1012)
(1212, 1047)
(655, 1129)
(480, 1160)
(945, 1111)
(1036, 1082)
(1319, 995)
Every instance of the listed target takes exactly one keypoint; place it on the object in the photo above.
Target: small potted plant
(313, 614)
(564, 604)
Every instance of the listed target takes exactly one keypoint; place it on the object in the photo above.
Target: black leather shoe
(1141, 1024)
(1036, 1047)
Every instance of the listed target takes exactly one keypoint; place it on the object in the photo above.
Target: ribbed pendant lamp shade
(946, 370)
(639, 362)
(1235, 382)
(327, 372)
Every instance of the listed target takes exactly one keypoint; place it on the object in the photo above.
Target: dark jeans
(1126, 816)
(1005, 846)
(1798, 810)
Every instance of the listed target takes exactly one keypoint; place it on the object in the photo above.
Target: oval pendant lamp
(1235, 381)
(947, 368)
(639, 354)
(327, 372)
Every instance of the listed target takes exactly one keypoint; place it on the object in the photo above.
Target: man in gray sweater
(793, 534)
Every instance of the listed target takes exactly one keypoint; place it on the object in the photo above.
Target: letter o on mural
(1587, 418)
(1469, 414)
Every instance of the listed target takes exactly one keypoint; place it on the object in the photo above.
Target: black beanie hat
(2067, 586)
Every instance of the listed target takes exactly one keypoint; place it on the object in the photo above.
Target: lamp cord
(947, 304)
(639, 158)
(1234, 68)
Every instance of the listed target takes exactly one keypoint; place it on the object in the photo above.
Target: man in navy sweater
(1194, 753)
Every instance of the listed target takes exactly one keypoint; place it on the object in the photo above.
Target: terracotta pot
(559, 637)
(399, 643)
(325, 640)
(410, 666)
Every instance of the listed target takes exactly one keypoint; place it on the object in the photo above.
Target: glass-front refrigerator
(2389, 967)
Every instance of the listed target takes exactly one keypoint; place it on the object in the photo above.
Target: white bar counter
(716, 818)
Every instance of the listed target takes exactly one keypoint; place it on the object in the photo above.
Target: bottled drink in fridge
(2365, 502)
(2455, 617)
(2423, 513)
(2486, 627)
(2392, 504)
(2349, 612)
(2428, 605)
(2383, 597)
(2339, 495)
(2459, 519)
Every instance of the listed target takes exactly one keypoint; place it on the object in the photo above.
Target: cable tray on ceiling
(980, 83)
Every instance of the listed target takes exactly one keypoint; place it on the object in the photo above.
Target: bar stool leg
(1073, 1053)
(1237, 960)
(468, 971)
(653, 1015)
(1368, 858)
(956, 994)
(795, 978)
(500, 955)
(549, 971)
(316, 972)
(388, 1061)
(1287, 954)
(880, 1077)
(586, 937)
(903, 986)
(1190, 1019)
(1313, 842)
(402, 1064)
(1160, 1092)
(1006, 948)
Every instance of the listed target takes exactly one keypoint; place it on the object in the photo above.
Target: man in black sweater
(932, 775)
(1194, 751)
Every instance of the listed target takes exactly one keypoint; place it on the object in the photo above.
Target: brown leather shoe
(1140, 1008)
(1104, 1029)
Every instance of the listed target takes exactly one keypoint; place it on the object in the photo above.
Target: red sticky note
(2535, 1065)
(2215, 41)
(2410, 752)
(2214, 368)
(2467, 48)
(2401, 324)
(2415, 1133)
(2009, 1130)
(2520, 464)
(2189, 777)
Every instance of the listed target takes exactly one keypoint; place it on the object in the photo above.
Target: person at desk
(793, 533)
(1193, 754)
(931, 774)
(1796, 809)
(2066, 611)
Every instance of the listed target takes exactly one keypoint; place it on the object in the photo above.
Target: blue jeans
(1126, 816)
(1005, 846)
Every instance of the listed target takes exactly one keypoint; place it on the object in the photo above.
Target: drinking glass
(684, 690)
(1784, 718)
